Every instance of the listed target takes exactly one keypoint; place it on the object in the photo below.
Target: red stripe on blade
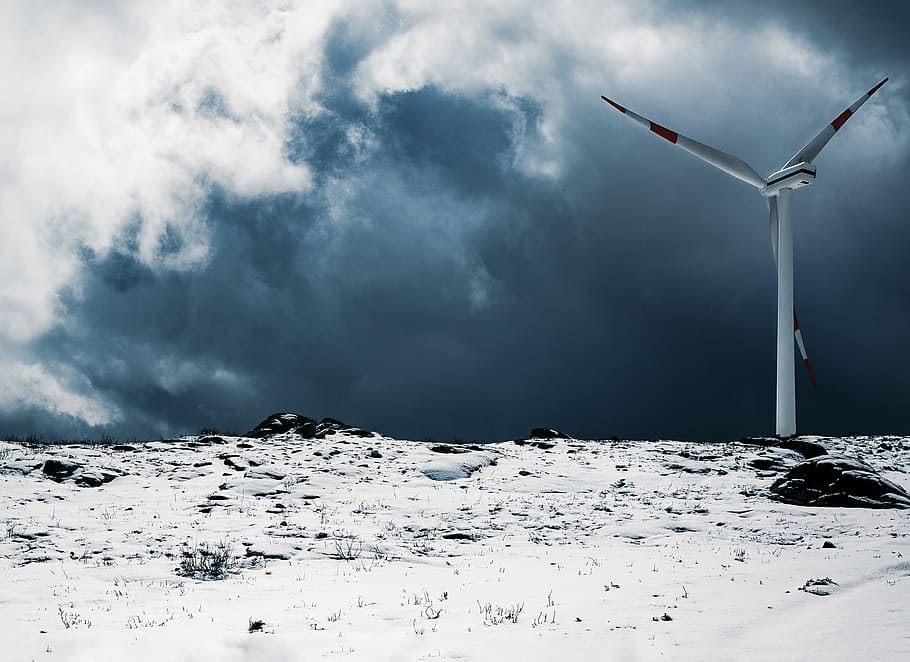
(811, 374)
(664, 132)
(614, 104)
(875, 89)
(795, 321)
(843, 117)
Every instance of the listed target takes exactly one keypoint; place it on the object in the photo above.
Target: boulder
(95, 477)
(545, 445)
(60, 469)
(548, 433)
(329, 426)
(447, 449)
(304, 426)
(284, 422)
(839, 481)
(777, 460)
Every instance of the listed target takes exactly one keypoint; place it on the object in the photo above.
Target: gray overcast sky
(423, 220)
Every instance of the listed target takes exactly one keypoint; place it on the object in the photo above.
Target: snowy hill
(313, 541)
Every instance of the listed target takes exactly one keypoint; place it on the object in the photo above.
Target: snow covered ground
(372, 548)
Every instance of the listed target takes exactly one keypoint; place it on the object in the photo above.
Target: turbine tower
(778, 189)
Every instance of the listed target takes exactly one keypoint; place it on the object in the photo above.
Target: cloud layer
(424, 220)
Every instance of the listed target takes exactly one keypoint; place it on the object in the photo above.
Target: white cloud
(123, 124)
(53, 388)
(116, 126)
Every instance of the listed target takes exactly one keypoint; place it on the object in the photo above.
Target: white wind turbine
(778, 188)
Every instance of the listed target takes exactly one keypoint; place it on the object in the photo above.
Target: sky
(420, 217)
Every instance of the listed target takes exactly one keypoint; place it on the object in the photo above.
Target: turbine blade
(802, 348)
(814, 146)
(726, 162)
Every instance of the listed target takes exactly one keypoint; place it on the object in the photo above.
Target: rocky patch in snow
(64, 469)
(548, 433)
(352, 544)
(838, 480)
(303, 426)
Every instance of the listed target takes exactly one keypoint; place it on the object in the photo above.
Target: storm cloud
(423, 220)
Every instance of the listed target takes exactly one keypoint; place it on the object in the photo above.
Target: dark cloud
(456, 295)
(861, 34)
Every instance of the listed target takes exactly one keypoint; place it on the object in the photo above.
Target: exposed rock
(545, 445)
(689, 467)
(329, 426)
(547, 433)
(284, 422)
(266, 474)
(305, 426)
(359, 432)
(458, 535)
(60, 469)
(808, 449)
(22, 466)
(829, 545)
(776, 459)
(264, 554)
(95, 477)
(840, 481)
(825, 586)
(446, 448)
(236, 462)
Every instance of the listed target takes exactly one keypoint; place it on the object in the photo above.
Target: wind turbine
(778, 189)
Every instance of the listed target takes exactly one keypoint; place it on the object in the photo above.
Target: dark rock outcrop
(284, 422)
(777, 460)
(60, 469)
(545, 445)
(840, 481)
(329, 426)
(548, 433)
(304, 426)
(446, 448)
(95, 477)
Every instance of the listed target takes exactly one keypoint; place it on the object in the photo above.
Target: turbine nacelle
(793, 177)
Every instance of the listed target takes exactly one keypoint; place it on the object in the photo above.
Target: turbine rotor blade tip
(875, 89)
(614, 104)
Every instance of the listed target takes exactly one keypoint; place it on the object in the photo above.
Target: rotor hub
(794, 177)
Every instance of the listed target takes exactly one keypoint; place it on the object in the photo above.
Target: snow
(375, 548)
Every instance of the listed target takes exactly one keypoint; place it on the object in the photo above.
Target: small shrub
(206, 561)
(347, 549)
(256, 626)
